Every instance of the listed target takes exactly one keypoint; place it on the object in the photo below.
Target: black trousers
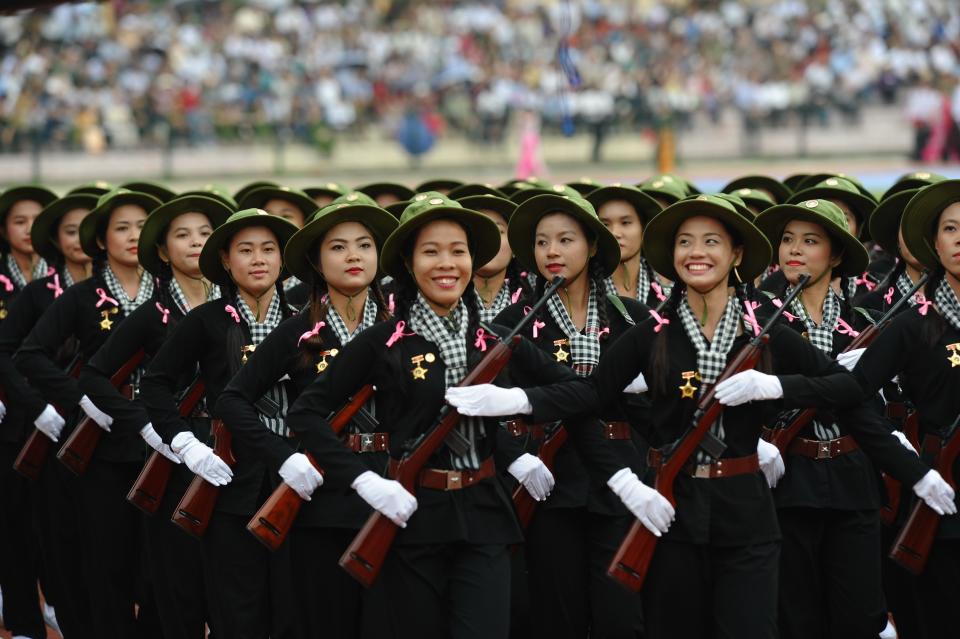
(452, 591)
(111, 533)
(711, 592)
(19, 550)
(939, 589)
(568, 551)
(248, 588)
(830, 582)
(899, 589)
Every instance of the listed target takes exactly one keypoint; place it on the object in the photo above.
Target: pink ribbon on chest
(105, 298)
(232, 312)
(398, 334)
(165, 312)
(55, 286)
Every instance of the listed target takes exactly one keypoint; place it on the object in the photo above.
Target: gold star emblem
(105, 323)
(688, 390)
(954, 357)
(323, 364)
(419, 372)
(560, 354)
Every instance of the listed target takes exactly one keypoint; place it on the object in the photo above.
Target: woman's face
(704, 253)
(123, 234)
(806, 249)
(852, 223)
(561, 247)
(16, 230)
(253, 259)
(285, 209)
(68, 237)
(441, 263)
(947, 240)
(347, 257)
(184, 241)
(622, 220)
(502, 259)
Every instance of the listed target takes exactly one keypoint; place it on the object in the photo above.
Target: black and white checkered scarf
(258, 333)
(947, 304)
(711, 356)
(450, 335)
(339, 327)
(176, 293)
(39, 270)
(904, 284)
(128, 305)
(643, 283)
(502, 300)
(821, 336)
(585, 346)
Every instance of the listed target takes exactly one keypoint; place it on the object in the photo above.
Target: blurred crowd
(137, 72)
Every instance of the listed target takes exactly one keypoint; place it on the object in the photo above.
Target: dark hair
(933, 325)
(516, 276)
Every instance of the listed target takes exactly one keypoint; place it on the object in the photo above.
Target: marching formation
(476, 411)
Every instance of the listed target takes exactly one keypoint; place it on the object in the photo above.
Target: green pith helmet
(151, 235)
(211, 264)
(645, 206)
(94, 223)
(915, 180)
(921, 216)
(773, 188)
(660, 235)
(43, 233)
(483, 234)
(846, 191)
(155, 189)
(828, 215)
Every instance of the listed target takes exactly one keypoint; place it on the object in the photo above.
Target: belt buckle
(454, 479)
(823, 450)
(702, 471)
(367, 443)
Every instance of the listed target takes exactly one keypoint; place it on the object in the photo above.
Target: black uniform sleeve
(809, 378)
(262, 371)
(887, 356)
(161, 382)
(36, 359)
(872, 431)
(125, 341)
(20, 319)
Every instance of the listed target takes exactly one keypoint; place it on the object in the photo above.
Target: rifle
(524, 504)
(798, 420)
(196, 506)
(147, 492)
(271, 524)
(77, 451)
(366, 554)
(888, 512)
(36, 449)
(630, 563)
(912, 546)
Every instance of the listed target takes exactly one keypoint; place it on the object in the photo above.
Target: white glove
(533, 474)
(201, 459)
(650, 507)
(488, 400)
(849, 359)
(386, 496)
(937, 493)
(50, 423)
(101, 418)
(300, 475)
(771, 462)
(904, 441)
(3, 411)
(638, 385)
(153, 440)
(748, 386)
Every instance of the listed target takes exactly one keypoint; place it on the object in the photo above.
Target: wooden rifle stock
(77, 451)
(523, 502)
(196, 506)
(36, 449)
(632, 559)
(271, 524)
(147, 492)
(888, 512)
(912, 547)
(364, 558)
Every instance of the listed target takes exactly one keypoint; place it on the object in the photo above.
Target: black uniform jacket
(929, 376)
(847, 482)
(278, 356)
(730, 511)
(24, 402)
(199, 339)
(408, 406)
(575, 486)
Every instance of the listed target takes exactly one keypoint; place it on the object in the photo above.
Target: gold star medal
(954, 357)
(3, 310)
(419, 372)
(688, 390)
(105, 323)
(246, 349)
(560, 354)
(322, 364)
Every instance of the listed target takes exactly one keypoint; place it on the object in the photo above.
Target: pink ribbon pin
(391, 304)
(863, 280)
(790, 317)
(658, 291)
(537, 324)
(480, 343)
(398, 334)
(105, 298)
(165, 312)
(313, 332)
(516, 295)
(922, 303)
(232, 312)
(751, 316)
(888, 298)
(661, 321)
(55, 285)
(604, 331)
(51, 271)
(7, 284)
(845, 329)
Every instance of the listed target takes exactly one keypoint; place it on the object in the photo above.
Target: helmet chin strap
(351, 314)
